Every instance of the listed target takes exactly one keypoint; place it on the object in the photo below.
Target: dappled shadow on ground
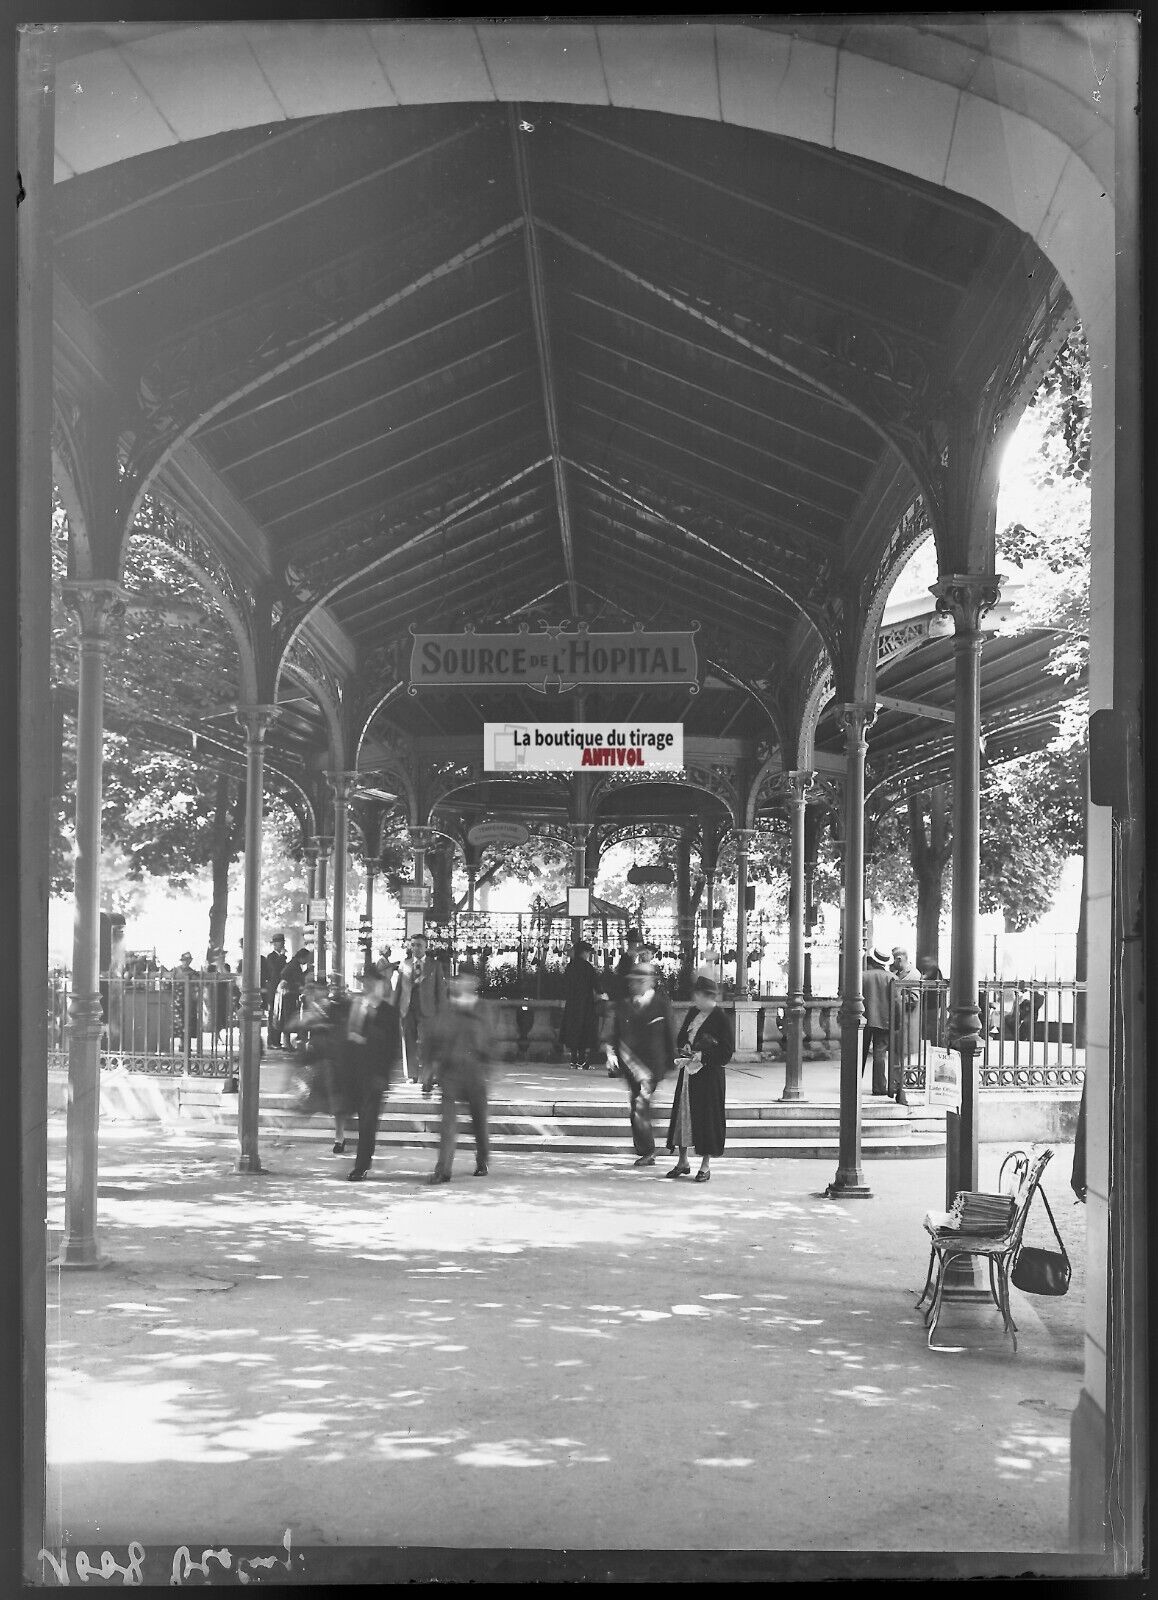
(747, 1335)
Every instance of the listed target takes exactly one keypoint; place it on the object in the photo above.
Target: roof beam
(791, 217)
(763, 418)
(763, 272)
(696, 538)
(397, 466)
(706, 427)
(780, 380)
(284, 396)
(377, 440)
(543, 342)
(915, 708)
(282, 217)
(328, 418)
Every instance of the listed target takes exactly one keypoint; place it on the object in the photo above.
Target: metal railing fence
(1031, 1033)
(167, 1023)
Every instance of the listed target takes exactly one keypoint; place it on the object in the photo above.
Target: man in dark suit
(371, 1049)
(421, 998)
(272, 967)
(876, 987)
(643, 1045)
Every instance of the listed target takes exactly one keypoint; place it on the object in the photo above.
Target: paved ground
(578, 1356)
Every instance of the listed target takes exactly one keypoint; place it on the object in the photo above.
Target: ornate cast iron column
(798, 785)
(966, 598)
(93, 603)
(322, 844)
(855, 719)
(421, 839)
(255, 720)
(577, 832)
(744, 837)
(340, 783)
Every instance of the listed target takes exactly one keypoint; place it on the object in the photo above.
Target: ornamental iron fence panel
(1031, 1033)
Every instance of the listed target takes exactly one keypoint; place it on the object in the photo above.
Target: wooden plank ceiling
(540, 386)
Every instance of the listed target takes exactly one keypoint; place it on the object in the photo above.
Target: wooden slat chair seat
(1019, 1178)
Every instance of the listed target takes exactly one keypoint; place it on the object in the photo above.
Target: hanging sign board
(582, 746)
(553, 659)
(498, 832)
(578, 902)
(317, 911)
(642, 875)
(415, 923)
(415, 896)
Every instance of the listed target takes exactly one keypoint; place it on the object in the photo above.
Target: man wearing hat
(877, 989)
(643, 1048)
(272, 967)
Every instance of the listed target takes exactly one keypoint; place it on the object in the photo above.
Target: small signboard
(578, 902)
(633, 747)
(498, 832)
(415, 923)
(943, 1077)
(415, 896)
(552, 659)
(317, 911)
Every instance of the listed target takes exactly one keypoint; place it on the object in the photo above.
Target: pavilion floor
(728, 1367)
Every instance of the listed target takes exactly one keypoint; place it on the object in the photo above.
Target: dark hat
(705, 985)
(583, 948)
(878, 958)
(278, 938)
(633, 936)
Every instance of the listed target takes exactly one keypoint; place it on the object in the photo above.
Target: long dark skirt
(706, 1100)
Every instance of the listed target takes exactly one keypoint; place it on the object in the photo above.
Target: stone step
(915, 1146)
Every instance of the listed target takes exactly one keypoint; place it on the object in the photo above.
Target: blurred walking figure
(422, 998)
(580, 1026)
(459, 1047)
(643, 1049)
(372, 1050)
(705, 1044)
(323, 1021)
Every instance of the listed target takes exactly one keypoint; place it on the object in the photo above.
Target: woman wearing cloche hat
(704, 1045)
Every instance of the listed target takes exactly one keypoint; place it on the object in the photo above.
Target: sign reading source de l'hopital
(552, 659)
(579, 746)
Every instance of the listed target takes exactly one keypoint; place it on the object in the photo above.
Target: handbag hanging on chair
(1038, 1271)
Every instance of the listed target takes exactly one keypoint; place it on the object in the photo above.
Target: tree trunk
(930, 849)
(228, 820)
(441, 864)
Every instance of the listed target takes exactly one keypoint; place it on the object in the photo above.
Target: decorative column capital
(95, 602)
(578, 833)
(966, 597)
(323, 843)
(856, 717)
(744, 838)
(256, 719)
(341, 783)
(421, 838)
(798, 786)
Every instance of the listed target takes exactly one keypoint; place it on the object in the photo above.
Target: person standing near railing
(874, 982)
(273, 964)
(906, 998)
(187, 1001)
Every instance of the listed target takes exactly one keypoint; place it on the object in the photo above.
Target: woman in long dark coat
(580, 1027)
(704, 1045)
